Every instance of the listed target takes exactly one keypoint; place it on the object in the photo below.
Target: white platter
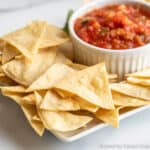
(94, 126)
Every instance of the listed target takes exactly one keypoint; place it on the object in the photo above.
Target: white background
(15, 132)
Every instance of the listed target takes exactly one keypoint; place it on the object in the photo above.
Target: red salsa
(115, 27)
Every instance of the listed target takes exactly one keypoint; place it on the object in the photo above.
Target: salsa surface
(115, 27)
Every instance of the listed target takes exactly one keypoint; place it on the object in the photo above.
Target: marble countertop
(15, 132)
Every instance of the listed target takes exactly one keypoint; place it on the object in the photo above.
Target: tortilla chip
(109, 116)
(132, 90)
(84, 105)
(139, 81)
(14, 89)
(54, 74)
(127, 101)
(30, 111)
(90, 84)
(28, 39)
(29, 99)
(4, 80)
(61, 121)
(16, 97)
(145, 73)
(53, 102)
(52, 36)
(25, 72)
(9, 53)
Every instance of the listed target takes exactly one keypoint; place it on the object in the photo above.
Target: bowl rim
(91, 5)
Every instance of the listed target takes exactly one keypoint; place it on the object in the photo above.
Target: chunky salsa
(115, 27)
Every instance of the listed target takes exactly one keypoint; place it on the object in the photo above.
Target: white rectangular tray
(93, 126)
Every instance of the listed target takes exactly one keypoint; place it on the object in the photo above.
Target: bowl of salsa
(114, 31)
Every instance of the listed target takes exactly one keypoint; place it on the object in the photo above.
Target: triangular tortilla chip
(25, 72)
(52, 36)
(20, 98)
(139, 81)
(109, 116)
(61, 121)
(132, 90)
(128, 101)
(54, 74)
(84, 105)
(27, 39)
(9, 52)
(145, 73)
(90, 84)
(30, 111)
(53, 102)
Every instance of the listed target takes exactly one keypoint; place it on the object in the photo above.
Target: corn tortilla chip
(54, 74)
(61, 121)
(30, 111)
(52, 36)
(25, 72)
(53, 102)
(27, 40)
(14, 89)
(109, 116)
(145, 73)
(84, 105)
(90, 84)
(16, 97)
(29, 99)
(4, 80)
(9, 53)
(139, 81)
(132, 90)
(128, 101)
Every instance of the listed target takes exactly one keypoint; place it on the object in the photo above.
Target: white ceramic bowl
(117, 61)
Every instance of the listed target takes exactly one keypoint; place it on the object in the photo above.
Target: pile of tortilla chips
(53, 92)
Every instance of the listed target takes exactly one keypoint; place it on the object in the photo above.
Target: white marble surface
(16, 134)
